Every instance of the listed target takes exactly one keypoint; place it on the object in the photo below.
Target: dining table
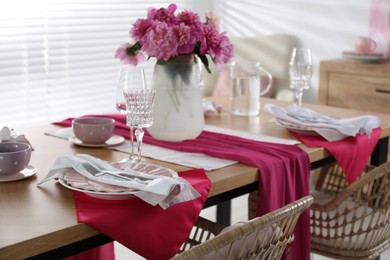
(41, 223)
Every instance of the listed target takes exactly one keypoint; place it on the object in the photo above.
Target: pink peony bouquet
(164, 35)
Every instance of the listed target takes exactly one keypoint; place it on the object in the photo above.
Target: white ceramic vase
(178, 113)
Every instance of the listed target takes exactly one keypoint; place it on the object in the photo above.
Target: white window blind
(57, 56)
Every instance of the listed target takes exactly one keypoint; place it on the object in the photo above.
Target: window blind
(57, 56)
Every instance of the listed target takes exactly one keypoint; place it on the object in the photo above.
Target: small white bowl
(14, 157)
(93, 130)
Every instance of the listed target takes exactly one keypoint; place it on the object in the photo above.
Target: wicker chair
(331, 178)
(264, 237)
(355, 222)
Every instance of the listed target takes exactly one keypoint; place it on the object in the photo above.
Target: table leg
(223, 202)
(380, 153)
(224, 213)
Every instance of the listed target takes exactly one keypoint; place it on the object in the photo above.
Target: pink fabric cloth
(351, 153)
(138, 226)
(284, 171)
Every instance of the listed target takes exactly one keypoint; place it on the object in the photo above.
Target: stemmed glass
(129, 78)
(300, 71)
(140, 112)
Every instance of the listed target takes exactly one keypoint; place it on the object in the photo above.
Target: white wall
(327, 27)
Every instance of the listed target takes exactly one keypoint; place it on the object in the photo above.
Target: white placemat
(194, 160)
(250, 136)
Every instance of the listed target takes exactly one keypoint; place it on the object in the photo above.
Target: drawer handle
(382, 90)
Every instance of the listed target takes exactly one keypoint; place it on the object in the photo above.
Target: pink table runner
(151, 232)
(351, 153)
(284, 171)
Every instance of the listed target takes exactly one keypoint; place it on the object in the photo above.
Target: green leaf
(205, 62)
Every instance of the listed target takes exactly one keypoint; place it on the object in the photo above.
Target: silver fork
(98, 172)
(92, 169)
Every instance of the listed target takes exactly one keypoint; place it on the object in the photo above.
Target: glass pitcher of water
(246, 88)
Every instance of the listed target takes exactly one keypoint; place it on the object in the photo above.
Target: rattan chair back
(354, 223)
(331, 178)
(264, 237)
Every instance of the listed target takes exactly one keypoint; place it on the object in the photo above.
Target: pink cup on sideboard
(365, 45)
(93, 130)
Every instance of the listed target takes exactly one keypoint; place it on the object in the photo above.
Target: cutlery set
(95, 171)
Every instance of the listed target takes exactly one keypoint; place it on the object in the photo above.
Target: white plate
(364, 57)
(126, 193)
(100, 194)
(303, 130)
(25, 173)
(114, 140)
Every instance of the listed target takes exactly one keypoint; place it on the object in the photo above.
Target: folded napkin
(8, 135)
(211, 108)
(351, 153)
(162, 190)
(5, 134)
(284, 168)
(151, 232)
(332, 129)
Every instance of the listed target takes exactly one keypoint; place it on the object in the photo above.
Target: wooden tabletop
(35, 220)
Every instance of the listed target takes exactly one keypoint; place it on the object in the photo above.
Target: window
(57, 56)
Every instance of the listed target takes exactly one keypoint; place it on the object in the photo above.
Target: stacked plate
(75, 181)
(308, 122)
(297, 128)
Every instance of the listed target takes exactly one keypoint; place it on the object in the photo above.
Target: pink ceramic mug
(365, 45)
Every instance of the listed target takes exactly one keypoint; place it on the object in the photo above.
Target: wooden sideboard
(358, 85)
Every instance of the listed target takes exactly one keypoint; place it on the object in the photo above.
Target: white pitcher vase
(178, 113)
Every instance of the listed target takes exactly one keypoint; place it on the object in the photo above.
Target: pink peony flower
(190, 19)
(160, 42)
(126, 56)
(211, 19)
(163, 15)
(140, 28)
(186, 38)
(210, 41)
(225, 53)
(164, 35)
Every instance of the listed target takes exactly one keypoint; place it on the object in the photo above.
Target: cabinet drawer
(359, 92)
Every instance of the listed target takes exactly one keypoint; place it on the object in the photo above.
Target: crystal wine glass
(129, 78)
(140, 112)
(300, 71)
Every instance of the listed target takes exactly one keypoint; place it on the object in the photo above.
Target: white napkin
(162, 190)
(5, 134)
(8, 135)
(330, 128)
(211, 108)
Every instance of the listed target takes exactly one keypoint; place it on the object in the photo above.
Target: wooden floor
(238, 214)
